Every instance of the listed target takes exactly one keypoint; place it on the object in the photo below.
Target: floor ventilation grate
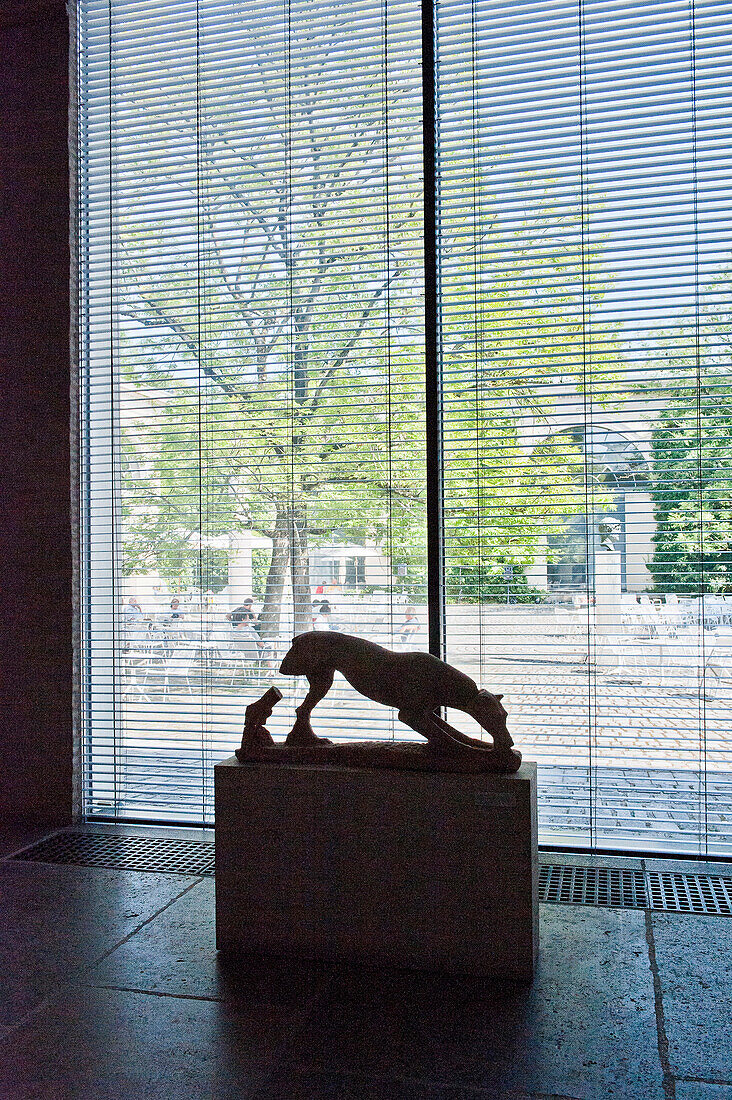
(559, 883)
(130, 853)
(690, 893)
(612, 887)
(606, 886)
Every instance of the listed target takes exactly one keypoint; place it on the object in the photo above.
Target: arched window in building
(611, 466)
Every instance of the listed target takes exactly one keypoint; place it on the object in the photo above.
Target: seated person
(243, 614)
(136, 623)
(410, 626)
(243, 633)
(175, 613)
(324, 618)
(132, 610)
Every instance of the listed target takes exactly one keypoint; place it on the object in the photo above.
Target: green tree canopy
(270, 275)
(692, 448)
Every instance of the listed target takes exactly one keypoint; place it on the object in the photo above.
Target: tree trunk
(300, 572)
(269, 619)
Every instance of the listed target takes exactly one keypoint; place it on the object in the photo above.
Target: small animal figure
(416, 684)
(256, 735)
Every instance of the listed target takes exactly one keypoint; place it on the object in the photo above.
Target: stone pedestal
(608, 589)
(608, 608)
(408, 869)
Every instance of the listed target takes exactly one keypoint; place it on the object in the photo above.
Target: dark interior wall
(36, 784)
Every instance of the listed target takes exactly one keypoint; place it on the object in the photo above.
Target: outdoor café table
(683, 654)
(207, 652)
(719, 653)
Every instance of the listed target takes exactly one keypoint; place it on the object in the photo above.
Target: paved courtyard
(623, 747)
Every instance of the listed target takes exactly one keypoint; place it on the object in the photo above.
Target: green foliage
(692, 486)
(506, 503)
(260, 568)
(690, 383)
(272, 360)
(212, 570)
(480, 585)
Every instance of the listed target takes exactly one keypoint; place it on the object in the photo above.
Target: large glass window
(253, 369)
(584, 154)
(255, 448)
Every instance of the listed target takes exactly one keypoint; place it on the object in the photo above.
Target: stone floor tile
(689, 867)
(176, 953)
(586, 1028)
(694, 956)
(341, 1086)
(159, 832)
(103, 1044)
(15, 837)
(702, 1090)
(56, 919)
(590, 859)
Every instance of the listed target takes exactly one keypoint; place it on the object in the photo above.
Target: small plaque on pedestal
(431, 871)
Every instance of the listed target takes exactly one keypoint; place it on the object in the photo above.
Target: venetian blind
(584, 167)
(253, 283)
(251, 278)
